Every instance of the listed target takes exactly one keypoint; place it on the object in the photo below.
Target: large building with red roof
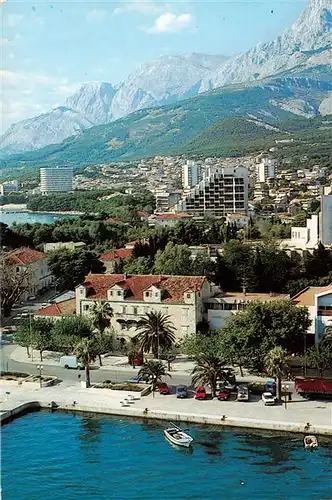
(34, 264)
(132, 296)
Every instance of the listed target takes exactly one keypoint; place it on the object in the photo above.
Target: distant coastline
(13, 207)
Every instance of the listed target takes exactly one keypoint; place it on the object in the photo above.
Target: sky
(49, 48)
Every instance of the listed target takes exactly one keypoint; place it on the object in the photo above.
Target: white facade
(325, 221)
(9, 187)
(306, 236)
(191, 174)
(180, 297)
(56, 180)
(266, 168)
(224, 191)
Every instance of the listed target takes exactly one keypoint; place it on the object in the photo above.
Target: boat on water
(176, 435)
(310, 442)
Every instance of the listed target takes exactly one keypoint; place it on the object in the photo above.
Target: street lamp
(285, 389)
(40, 368)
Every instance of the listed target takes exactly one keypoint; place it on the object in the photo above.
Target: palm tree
(86, 353)
(156, 331)
(208, 370)
(327, 336)
(101, 317)
(153, 371)
(277, 366)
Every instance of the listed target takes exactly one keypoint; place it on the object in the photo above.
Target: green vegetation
(110, 203)
(86, 354)
(101, 316)
(155, 331)
(208, 370)
(277, 366)
(153, 371)
(175, 128)
(71, 266)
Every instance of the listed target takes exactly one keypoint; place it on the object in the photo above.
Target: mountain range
(274, 81)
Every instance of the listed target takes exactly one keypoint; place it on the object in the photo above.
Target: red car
(224, 395)
(200, 393)
(163, 389)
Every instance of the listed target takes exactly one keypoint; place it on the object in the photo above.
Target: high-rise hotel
(56, 180)
(223, 191)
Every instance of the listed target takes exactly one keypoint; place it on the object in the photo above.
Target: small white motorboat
(310, 442)
(176, 435)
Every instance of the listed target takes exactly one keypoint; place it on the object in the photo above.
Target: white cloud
(11, 20)
(168, 23)
(147, 7)
(14, 78)
(96, 15)
(66, 90)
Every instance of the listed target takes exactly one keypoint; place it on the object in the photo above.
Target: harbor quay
(299, 416)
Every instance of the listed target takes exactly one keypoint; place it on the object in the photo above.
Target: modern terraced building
(223, 191)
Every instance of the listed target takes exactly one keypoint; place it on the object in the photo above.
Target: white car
(268, 399)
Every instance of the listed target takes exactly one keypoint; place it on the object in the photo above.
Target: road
(97, 374)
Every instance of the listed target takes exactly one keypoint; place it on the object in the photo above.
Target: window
(188, 295)
(119, 293)
(111, 293)
(156, 295)
(124, 309)
(86, 307)
(147, 294)
(135, 310)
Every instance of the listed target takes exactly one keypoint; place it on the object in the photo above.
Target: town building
(191, 174)
(325, 219)
(168, 219)
(266, 168)
(241, 220)
(9, 187)
(221, 306)
(132, 296)
(113, 258)
(59, 310)
(224, 191)
(166, 198)
(69, 245)
(318, 300)
(34, 264)
(56, 180)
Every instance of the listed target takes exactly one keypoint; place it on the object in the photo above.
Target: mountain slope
(93, 101)
(307, 43)
(48, 128)
(166, 80)
(168, 129)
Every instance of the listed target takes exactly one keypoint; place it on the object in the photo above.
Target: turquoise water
(53, 456)
(29, 217)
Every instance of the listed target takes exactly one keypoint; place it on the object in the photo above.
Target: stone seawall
(17, 411)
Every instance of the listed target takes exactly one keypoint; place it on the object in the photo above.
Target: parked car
(225, 385)
(163, 388)
(242, 393)
(181, 391)
(32, 297)
(271, 387)
(71, 362)
(200, 393)
(24, 315)
(268, 399)
(224, 395)
(133, 380)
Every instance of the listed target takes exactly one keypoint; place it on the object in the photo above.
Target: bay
(10, 217)
(66, 456)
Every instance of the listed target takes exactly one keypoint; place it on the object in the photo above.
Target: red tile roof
(172, 287)
(64, 308)
(120, 253)
(113, 220)
(24, 256)
(169, 216)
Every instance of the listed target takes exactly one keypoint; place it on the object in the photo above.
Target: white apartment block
(325, 220)
(56, 180)
(132, 296)
(224, 191)
(9, 187)
(191, 174)
(265, 168)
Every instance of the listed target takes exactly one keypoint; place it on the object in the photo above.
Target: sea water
(53, 456)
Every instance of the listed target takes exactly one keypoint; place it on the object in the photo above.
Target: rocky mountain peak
(93, 101)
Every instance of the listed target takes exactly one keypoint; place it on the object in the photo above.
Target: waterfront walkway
(253, 414)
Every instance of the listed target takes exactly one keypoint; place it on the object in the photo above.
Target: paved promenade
(252, 414)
